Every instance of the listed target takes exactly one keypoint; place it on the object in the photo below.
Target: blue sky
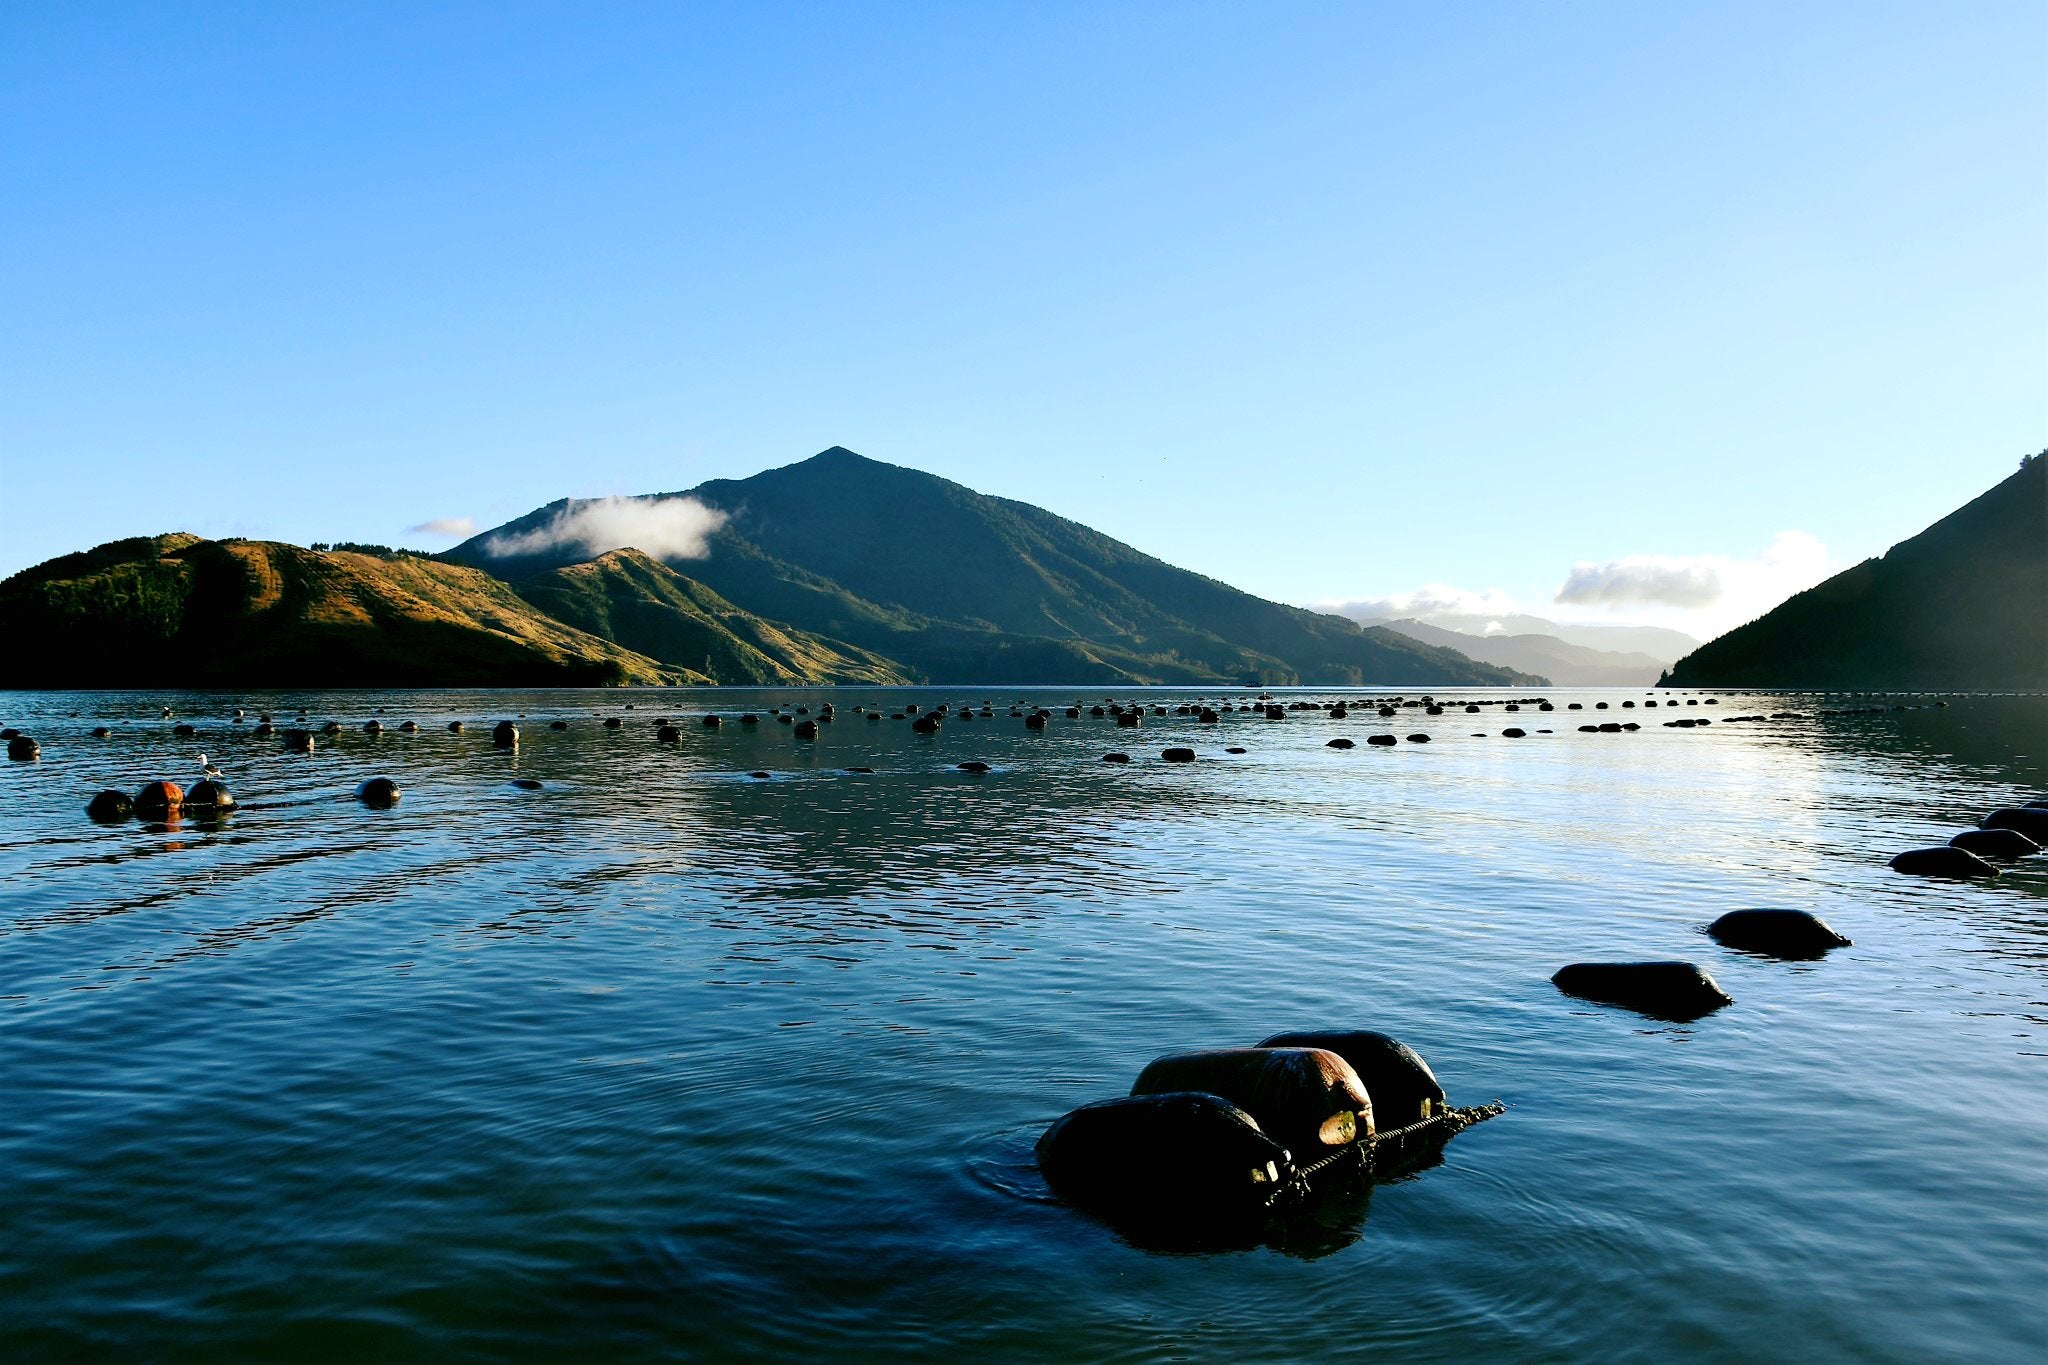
(1330, 302)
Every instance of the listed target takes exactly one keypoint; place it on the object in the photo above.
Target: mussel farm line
(1236, 1137)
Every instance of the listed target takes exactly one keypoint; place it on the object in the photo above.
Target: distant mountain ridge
(957, 586)
(1963, 604)
(1566, 664)
(1656, 642)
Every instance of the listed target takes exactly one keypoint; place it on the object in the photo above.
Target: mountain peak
(942, 582)
(838, 455)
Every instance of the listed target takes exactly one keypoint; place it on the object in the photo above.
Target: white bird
(207, 768)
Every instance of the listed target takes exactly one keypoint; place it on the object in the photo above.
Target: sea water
(665, 1060)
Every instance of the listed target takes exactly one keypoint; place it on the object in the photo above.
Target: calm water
(666, 1060)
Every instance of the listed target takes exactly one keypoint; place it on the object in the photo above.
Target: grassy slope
(177, 610)
(637, 602)
(1959, 605)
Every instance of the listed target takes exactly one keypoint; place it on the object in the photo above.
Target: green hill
(1961, 605)
(179, 611)
(961, 587)
(645, 606)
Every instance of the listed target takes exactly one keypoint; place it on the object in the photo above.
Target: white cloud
(1710, 593)
(458, 527)
(1657, 580)
(666, 528)
(1431, 599)
(1701, 595)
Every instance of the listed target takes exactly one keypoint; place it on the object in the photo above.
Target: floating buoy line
(1240, 1135)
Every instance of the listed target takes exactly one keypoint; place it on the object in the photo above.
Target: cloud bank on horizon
(1431, 599)
(1702, 595)
(666, 528)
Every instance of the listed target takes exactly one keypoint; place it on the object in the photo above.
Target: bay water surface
(664, 1060)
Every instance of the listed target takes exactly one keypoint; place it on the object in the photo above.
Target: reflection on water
(664, 1058)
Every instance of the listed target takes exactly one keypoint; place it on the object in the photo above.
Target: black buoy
(1995, 843)
(110, 806)
(1178, 755)
(1340, 743)
(712, 722)
(1186, 1157)
(1116, 757)
(2031, 821)
(454, 727)
(527, 784)
(22, 749)
(805, 729)
(1381, 740)
(1234, 749)
(1942, 862)
(558, 725)
(209, 794)
(1789, 934)
(926, 725)
(380, 793)
(972, 765)
(505, 735)
(1677, 991)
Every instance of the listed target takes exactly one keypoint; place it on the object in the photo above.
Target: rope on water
(1359, 1156)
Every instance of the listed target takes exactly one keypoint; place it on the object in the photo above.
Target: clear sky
(1330, 302)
